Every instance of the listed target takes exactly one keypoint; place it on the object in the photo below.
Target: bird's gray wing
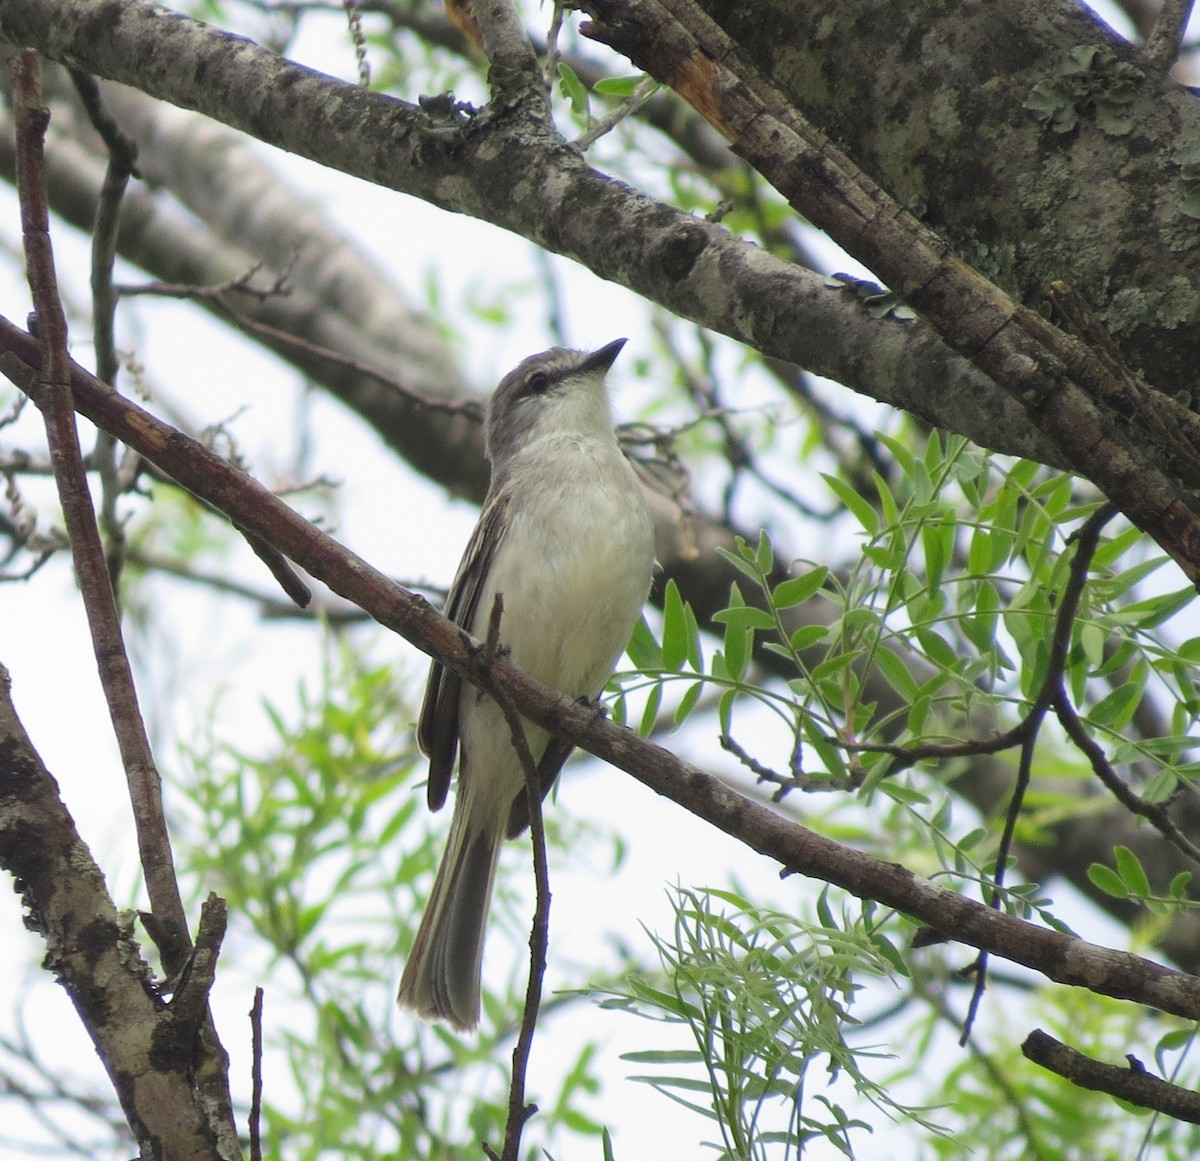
(437, 727)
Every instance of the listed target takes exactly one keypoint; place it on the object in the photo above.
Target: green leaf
(739, 561)
(902, 793)
(746, 617)
(620, 87)
(664, 1056)
(1117, 709)
(1107, 880)
(937, 541)
(675, 629)
(896, 674)
(725, 710)
(573, 89)
(799, 589)
(764, 556)
(688, 702)
(861, 509)
(650, 713)
(1163, 782)
(807, 636)
(644, 650)
(979, 551)
(936, 648)
(890, 952)
(1132, 873)
(1155, 610)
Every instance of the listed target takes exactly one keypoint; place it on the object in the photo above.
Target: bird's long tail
(441, 980)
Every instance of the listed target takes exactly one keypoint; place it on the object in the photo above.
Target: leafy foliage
(766, 998)
(319, 845)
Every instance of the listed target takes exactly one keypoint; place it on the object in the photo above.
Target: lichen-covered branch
(525, 179)
(1062, 386)
(152, 1058)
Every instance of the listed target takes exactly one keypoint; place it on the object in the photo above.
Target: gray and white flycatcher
(566, 539)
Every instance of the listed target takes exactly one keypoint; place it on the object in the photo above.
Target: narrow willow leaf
(621, 87)
(573, 89)
(764, 556)
(745, 616)
(650, 713)
(896, 673)
(675, 631)
(644, 650)
(862, 510)
(688, 702)
(1129, 867)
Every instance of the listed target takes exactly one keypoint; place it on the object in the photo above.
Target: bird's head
(558, 391)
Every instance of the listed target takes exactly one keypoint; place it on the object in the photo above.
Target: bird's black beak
(604, 358)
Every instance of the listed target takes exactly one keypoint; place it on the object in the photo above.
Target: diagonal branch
(1058, 381)
(1059, 957)
(530, 182)
(151, 1060)
(1133, 1084)
(95, 584)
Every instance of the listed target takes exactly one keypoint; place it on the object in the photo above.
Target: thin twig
(189, 1004)
(1087, 540)
(762, 773)
(116, 678)
(1163, 45)
(256, 1078)
(122, 162)
(279, 567)
(539, 936)
(354, 20)
(643, 91)
(469, 407)
(1158, 816)
(1132, 1083)
(550, 68)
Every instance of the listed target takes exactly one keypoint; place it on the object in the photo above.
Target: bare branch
(1133, 1084)
(519, 1111)
(1059, 957)
(1163, 45)
(54, 399)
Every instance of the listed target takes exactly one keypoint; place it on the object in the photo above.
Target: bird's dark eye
(538, 383)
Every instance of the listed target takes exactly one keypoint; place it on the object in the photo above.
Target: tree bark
(932, 99)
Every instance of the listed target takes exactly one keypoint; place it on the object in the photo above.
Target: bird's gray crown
(518, 402)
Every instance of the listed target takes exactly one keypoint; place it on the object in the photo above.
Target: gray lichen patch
(1090, 80)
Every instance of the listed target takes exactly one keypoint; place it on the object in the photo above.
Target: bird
(565, 539)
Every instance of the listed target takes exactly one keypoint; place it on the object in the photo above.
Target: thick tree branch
(1064, 388)
(1059, 957)
(507, 171)
(933, 99)
(153, 1066)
